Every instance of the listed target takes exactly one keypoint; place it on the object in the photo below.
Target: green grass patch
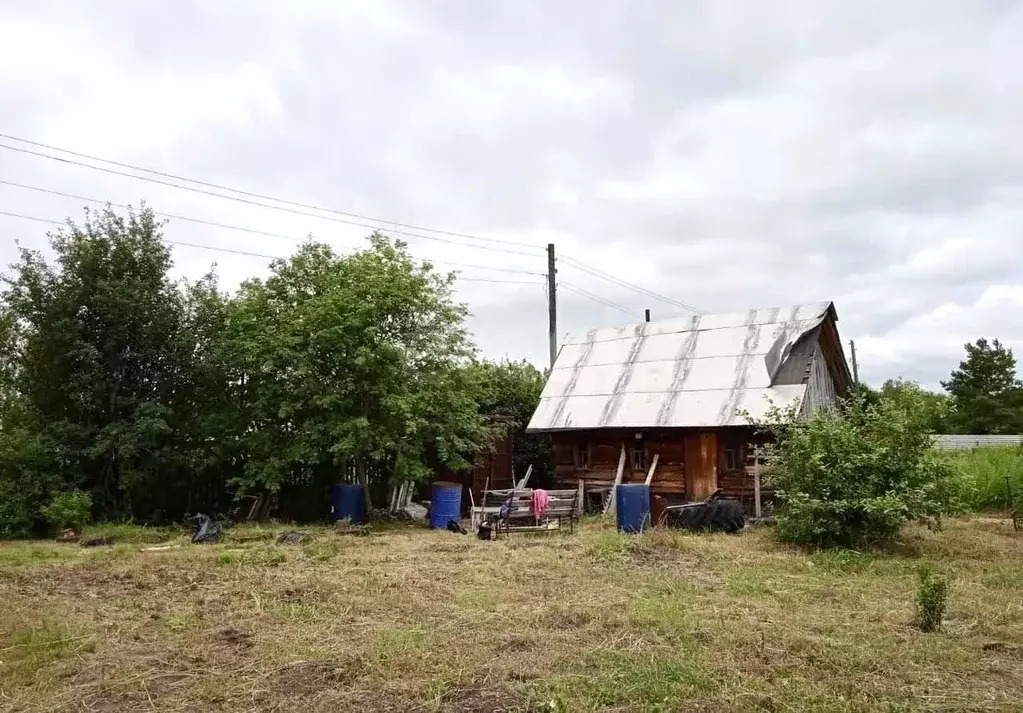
(30, 648)
(842, 560)
(748, 582)
(649, 682)
(610, 547)
(990, 474)
(1004, 578)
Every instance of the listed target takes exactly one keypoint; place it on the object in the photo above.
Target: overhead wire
(266, 205)
(227, 226)
(595, 298)
(250, 253)
(608, 277)
(577, 264)
(297, 204)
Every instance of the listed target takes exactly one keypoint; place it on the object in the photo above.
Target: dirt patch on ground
(303, 678)
(481, 699)
(233, 638)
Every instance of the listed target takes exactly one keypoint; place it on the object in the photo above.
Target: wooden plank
(653, 467)
(580, 497)
(618, 481)
(525, 479)
(756, 481)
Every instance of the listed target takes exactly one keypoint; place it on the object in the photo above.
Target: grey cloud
(728, 154)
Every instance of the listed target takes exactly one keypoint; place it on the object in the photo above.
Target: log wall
(706, 455)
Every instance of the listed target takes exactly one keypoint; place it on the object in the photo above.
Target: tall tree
(99, 356)
(988, 395)
(351, 359)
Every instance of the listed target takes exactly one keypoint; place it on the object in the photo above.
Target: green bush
(69, 509)
(931, 598)
(854, 476)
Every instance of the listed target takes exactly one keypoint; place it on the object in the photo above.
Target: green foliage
(992, 478)
(931, 410)
(102, 380)
(508, 393)
(988, 396)
(160, 398)
(350, 359)
(854, 476)
(72, 508)
(932, 590)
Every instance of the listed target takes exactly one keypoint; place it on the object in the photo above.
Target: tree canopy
(987, 394)
(156, 397)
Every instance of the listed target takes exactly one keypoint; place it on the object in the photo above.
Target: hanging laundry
(540, 500)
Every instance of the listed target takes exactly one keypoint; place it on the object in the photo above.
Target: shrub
(931, 598)
(853, 476)
(69, 509)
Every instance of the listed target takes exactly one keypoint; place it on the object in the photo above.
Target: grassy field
(408, 619)
(991, 474)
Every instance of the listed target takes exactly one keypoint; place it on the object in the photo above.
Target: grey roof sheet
(949, 442)
(692, 372)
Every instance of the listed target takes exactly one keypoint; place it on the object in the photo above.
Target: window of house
(733, 459)
(582, 455)
(637, 456)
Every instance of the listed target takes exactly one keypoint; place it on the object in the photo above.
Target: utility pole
(856, 370)
(647, 315)
(552, 303)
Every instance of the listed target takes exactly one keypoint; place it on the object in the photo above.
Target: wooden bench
(512, 511)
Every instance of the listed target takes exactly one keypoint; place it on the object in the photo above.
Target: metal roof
(948, 442)
(695, 372)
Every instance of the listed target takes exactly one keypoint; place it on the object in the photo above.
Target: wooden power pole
(552, 304)
(855, 366)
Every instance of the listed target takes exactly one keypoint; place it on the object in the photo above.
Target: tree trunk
(363, 477)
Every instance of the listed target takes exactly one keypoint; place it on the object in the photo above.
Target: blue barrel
(632, 506)
(348, 500)
(446, 504)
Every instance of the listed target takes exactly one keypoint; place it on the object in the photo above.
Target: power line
(255, 254)
(225, 225)
(261, 205)
(595, 298)
(170, 242)
(608, 277)
(261, 196)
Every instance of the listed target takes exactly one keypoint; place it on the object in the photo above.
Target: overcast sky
(723, 154)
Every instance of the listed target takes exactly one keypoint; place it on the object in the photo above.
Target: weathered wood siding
(691, 463)
(820, 386)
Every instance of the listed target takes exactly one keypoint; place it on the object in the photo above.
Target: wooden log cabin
(684, 391)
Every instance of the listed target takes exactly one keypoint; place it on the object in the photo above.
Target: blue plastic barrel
(632, 506)
(446, 504)
(348, 500)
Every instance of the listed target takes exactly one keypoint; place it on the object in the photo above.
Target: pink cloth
(539, 502)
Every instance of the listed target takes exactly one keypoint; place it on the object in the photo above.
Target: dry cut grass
(408, 619)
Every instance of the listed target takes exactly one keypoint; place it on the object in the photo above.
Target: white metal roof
(685, 373)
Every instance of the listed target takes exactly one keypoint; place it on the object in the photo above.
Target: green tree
(356, 358)
(987, 394)
(508, 394)
(931, 410)
(95, 365)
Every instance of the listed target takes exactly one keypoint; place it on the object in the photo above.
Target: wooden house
(685, 390)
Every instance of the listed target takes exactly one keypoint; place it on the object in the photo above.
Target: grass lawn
(408, 619)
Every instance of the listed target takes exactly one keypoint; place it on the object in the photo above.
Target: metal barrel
(347, 500)
(446, 504)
